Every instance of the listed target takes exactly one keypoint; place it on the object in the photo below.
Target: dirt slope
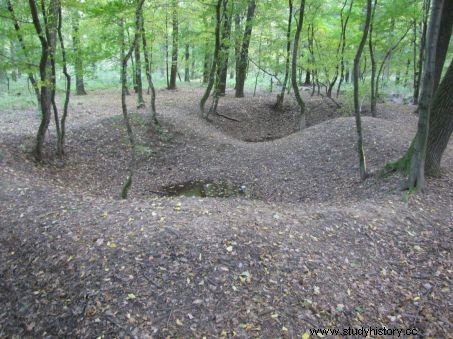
(317, 249)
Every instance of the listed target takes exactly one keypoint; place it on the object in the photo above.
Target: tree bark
(45, 74)
(224, 49)
(124, 59)
(174, 47)
(421, 52)
(340, 49)
(295, 57)
(186, 64)
(138, 66)
(259, 65)
(153, 112)
(446, 25)
(78, 55)
(441, 124)
(358, 120)
(343, 47)
(373, 63)
(281, 95)
(417, 169)
(403, 164)
(214, 62)
(206, 67)
(237, 44)
(61, 139)
(167, 73)
(243, 56)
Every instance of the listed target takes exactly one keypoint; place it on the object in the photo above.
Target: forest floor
(309, 246)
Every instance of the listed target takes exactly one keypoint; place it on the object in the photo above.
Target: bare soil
(314, 248)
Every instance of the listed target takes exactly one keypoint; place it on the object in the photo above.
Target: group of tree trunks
(433, 95)
(435, 125)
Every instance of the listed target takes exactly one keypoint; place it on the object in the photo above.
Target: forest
(226, 168)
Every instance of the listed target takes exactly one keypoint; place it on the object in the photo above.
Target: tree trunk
(418, 65)
(358, 121)
(281, 96)
(406, 73)
(174, 50)
(133, 74)
(307, 78)
(224, 49)
(167, 73)
(373, 63)
(417, 169)
(259, 65)
(237, 44)
(440, 124)
(31, 77)
(243, 58)
(186, 64)
(61, 140)
(45, 78)
(443, 41)
(214, 62)
(138, 67)
(124, 59)
(295, 57)
(403, 164)
(206, 68)
(343, 47)
(78, 55)
(153, 114)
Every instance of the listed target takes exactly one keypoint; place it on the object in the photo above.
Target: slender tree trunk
(153, 112)
(206, 67)
(243, 59)
(259, 65)
(373, 63)
(78, 55)
(222, 59)
(343, 47)
(174, 50)
(45, 87)
(358, 121)
(237, 44)
(417, 169)
(340, 49)
(186, 64)
(31, 77)
(138, 67)
(167, 73)
(224, 48)
(214, 62)
(406, 73)
(51, 22)
(192, 68)
(61, 140)
(307, 78)
(281, 95)
(295, 57)
(383, 63)
(312, 57)
(421, 51)
(124, 59)
(133, 72)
